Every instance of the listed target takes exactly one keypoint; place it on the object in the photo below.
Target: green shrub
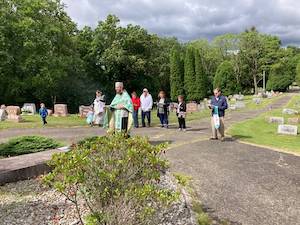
(116, 176)
(27, 144)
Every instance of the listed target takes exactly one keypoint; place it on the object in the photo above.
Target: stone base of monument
(15, 118)
(26, 166)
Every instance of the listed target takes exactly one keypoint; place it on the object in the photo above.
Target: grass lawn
(259, 131)
(250, 105)
(73, 120)
(34, 121)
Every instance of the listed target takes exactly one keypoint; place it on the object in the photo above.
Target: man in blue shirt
(218, 105)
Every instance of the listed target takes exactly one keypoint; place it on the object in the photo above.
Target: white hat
(119, 84)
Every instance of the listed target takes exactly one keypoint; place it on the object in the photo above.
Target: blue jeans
(135, 116)
(148, 115)
(163, 117)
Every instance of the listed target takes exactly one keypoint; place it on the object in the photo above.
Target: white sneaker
(184, 130)
(179, 129)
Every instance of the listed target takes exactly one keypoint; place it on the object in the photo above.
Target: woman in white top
(98, 106)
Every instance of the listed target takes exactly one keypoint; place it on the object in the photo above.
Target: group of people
(124, 111)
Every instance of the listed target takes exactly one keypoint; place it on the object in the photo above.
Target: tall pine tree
(176, 73)
(189, 74)
(201, 78)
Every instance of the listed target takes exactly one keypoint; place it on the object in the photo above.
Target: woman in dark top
(181, 113)
(163, 109)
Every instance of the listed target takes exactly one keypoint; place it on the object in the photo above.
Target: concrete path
(242, 183)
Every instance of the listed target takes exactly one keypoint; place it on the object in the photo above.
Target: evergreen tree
(225, 78)
(298, 74)
(189, 75)
(176, 74)
(201, 78)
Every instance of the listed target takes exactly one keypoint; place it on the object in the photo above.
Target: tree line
(45, 57)
(235, 63)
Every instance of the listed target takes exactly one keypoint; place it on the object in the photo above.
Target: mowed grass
(74, 120)
(34, 121)
(259, 131)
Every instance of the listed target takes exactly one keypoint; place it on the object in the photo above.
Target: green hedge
(27, 144)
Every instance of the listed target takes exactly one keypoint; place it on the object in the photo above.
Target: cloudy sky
(193, 19)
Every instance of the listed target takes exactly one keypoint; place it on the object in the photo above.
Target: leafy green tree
(282, 75)
(225, 78)
(176, 73)
(201, 78)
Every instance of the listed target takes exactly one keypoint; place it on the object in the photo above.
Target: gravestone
(288, 129)
(257, 101)
(60, 110)
(192, 107)
(232, 107)
(289, 111)
(83, 110)
(279, 120)
(29, 108)
(294, 120)
(240, 104)
(3, 114)
(14, 113)
(50, 112)
(238, 97)
(201, 106)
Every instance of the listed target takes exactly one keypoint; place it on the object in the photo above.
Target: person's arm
(224, 104)
(151, 103)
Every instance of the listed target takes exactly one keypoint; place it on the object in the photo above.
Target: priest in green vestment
(119, 116)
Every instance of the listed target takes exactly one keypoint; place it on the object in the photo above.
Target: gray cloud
(193, 19)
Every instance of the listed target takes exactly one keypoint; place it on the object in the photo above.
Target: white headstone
(279, 120)
(289, 111)
(29, 108)
(288, 129)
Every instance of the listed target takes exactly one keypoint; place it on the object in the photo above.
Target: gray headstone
(3, 114)
(279, 120)
(289, 111)
(238, 97)
(240, 104)
(257, 101)
(29, 108)
(201, 106)
(60, 110)
(288, 129)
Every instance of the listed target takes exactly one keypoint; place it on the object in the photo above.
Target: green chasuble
(113, 118)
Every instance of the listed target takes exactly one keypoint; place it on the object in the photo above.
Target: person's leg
(214, 131)
(222, 128)
(183, 123)
(134, 115)
(143, 118)
(161, 119)
(166, 120)
(149, 118)
(179, 123)
(124, 124)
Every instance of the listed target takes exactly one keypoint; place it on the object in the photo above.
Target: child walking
(43, 113)
(181, 113)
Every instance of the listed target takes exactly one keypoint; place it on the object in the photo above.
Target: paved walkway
(245, 184)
